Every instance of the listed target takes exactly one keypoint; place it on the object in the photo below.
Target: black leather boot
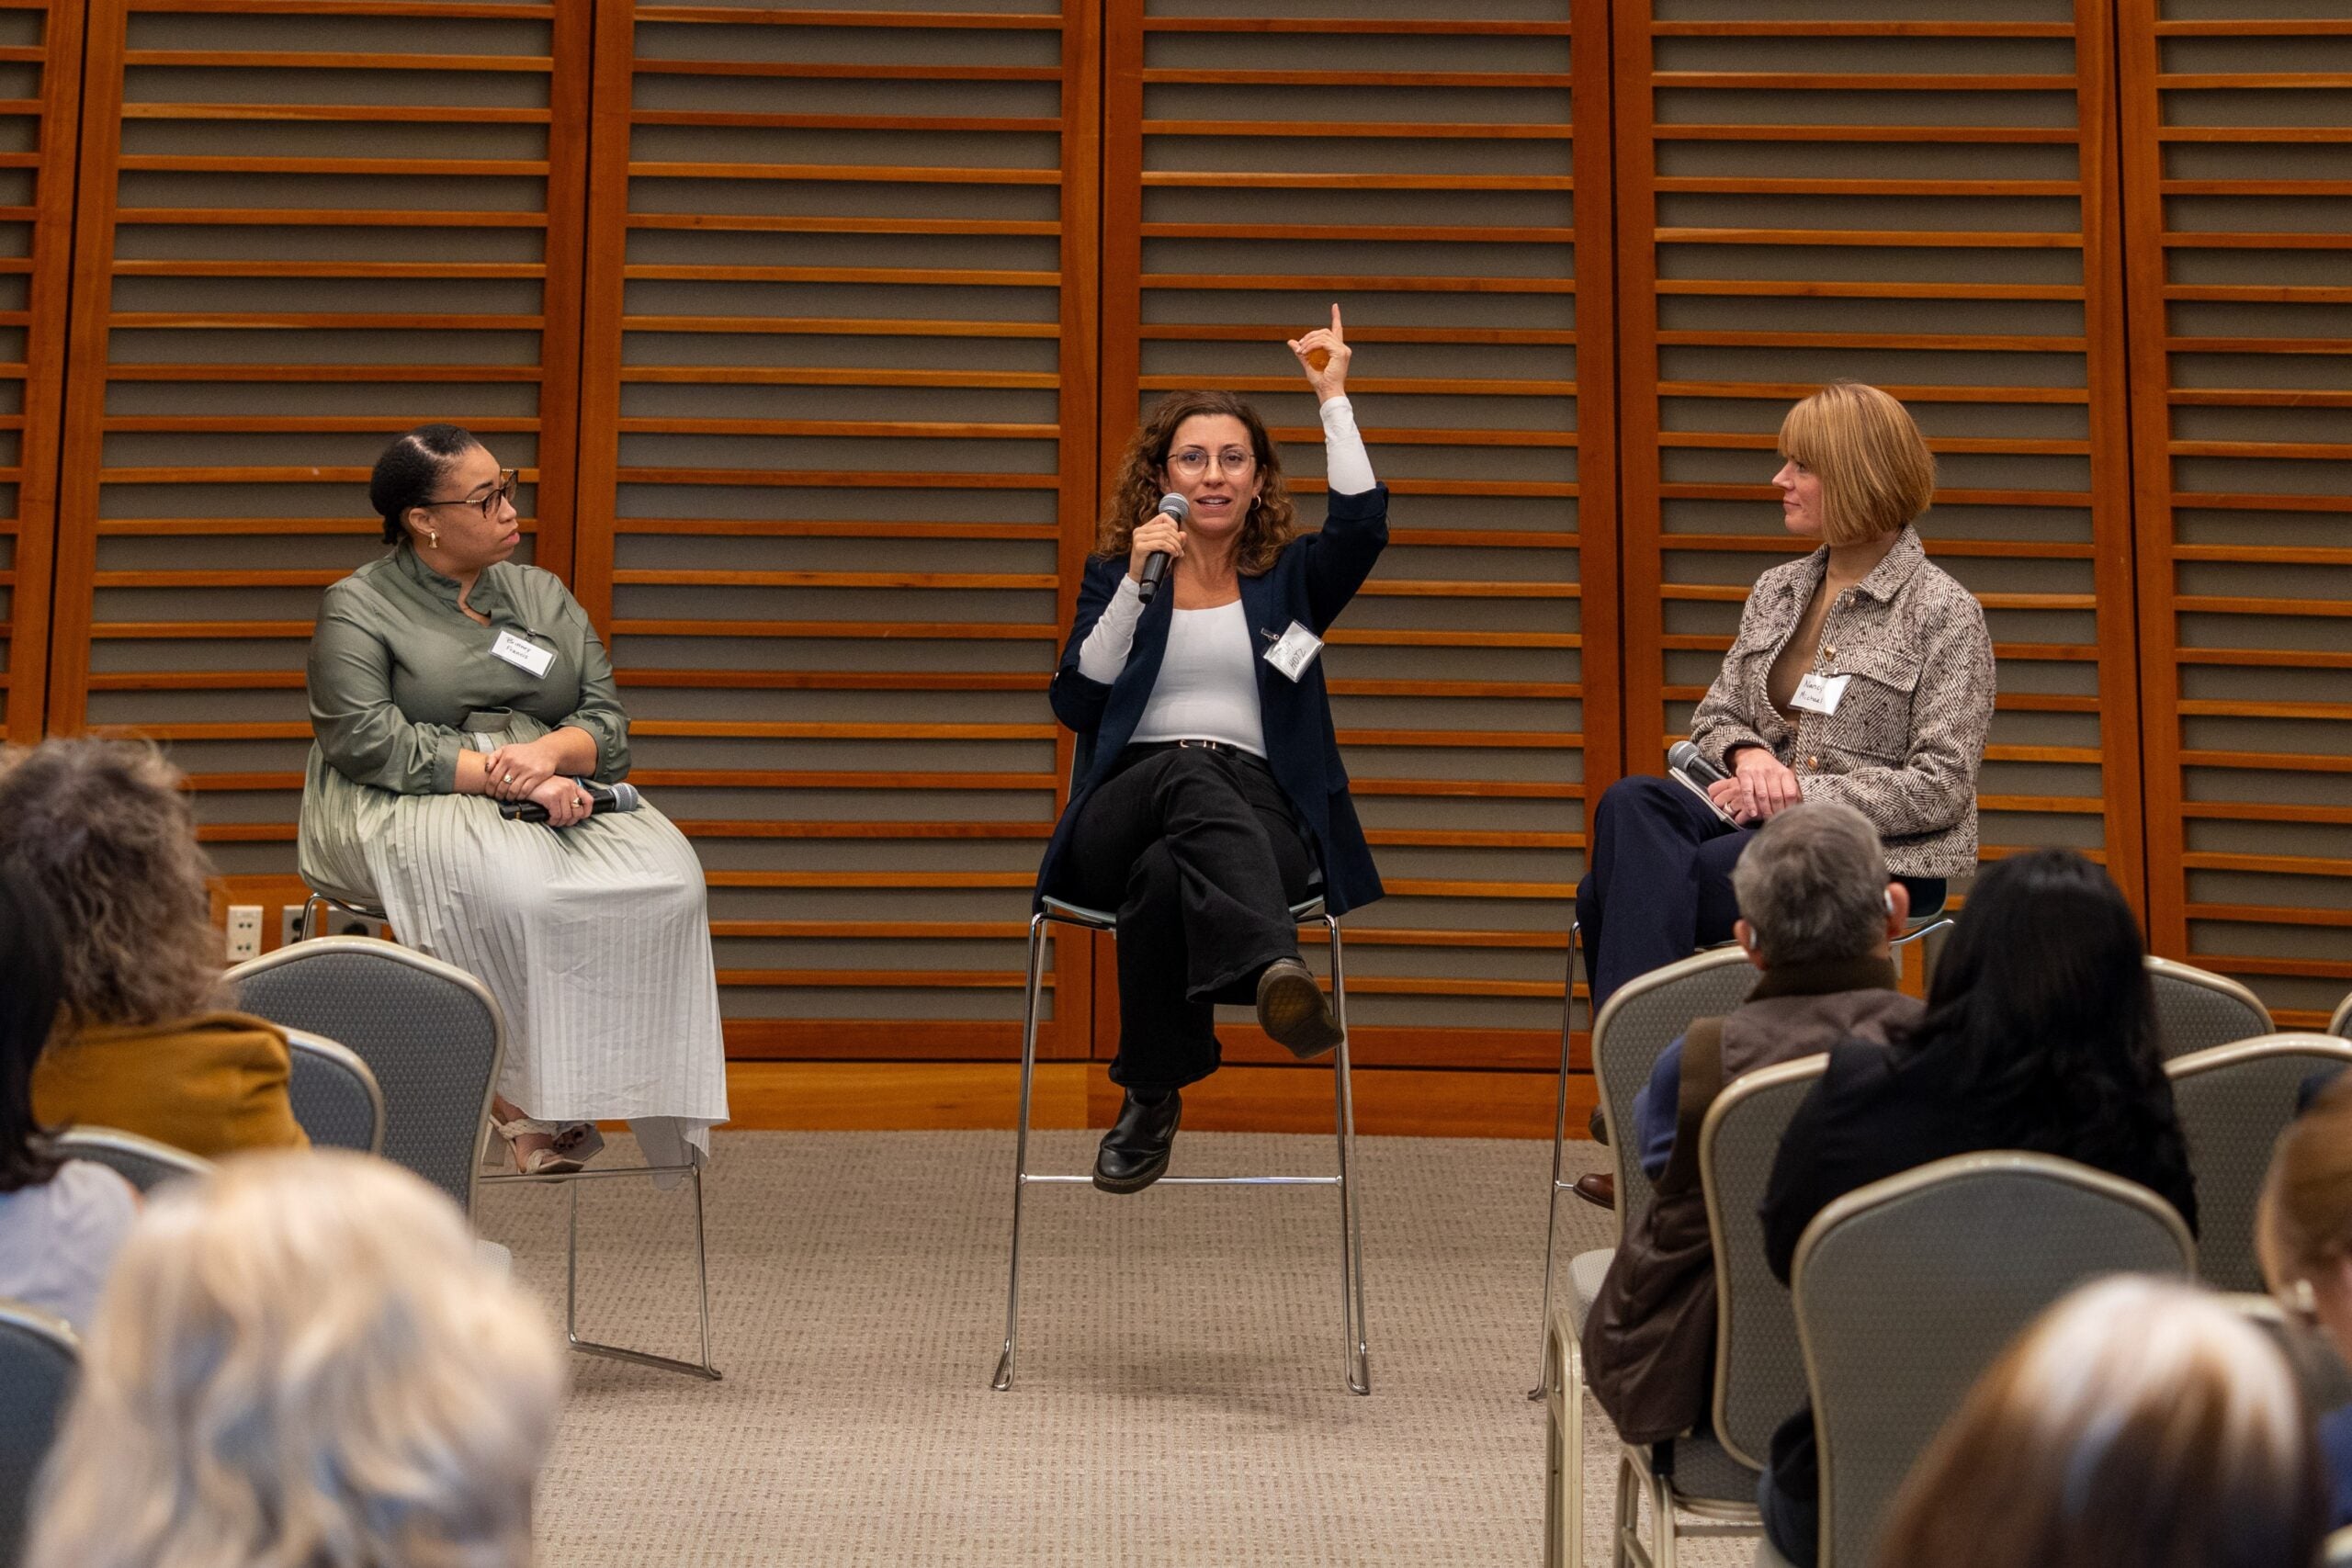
(1135, 1151)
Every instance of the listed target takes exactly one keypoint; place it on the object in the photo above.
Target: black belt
(1195, 743)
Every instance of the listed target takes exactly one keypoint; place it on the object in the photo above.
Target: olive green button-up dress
(595, 938)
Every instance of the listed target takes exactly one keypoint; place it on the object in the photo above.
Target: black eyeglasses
(508, 478)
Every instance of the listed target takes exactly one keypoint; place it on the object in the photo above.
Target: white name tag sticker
(1820, 693)
(1294, 651)
(521, 654)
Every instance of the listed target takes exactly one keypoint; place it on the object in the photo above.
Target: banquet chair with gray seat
(1758, 1368)
(337, 1102)
(2234, 1102)
(430, 1032)
(1646, 1016)
(2197, 1010)
(434, 1038)
(1907, 1290)
(141, 1161)
(38, 1358)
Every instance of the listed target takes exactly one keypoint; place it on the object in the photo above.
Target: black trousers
(1198, 853)
(1660, 881)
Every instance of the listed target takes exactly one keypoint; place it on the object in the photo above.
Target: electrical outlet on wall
(245, 932)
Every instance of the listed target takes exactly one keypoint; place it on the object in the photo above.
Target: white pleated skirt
(595, 941)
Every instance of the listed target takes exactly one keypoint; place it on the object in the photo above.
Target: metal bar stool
(315, 910)
(1922, 923)
(1356, 1356)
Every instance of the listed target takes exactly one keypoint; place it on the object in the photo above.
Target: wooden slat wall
(838, 344)
(41, 90)
(837, 469)
(1930, 204)
(303, 226)
(2239, 183)
(1433, 168)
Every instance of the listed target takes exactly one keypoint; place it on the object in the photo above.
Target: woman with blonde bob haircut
(1861, 674)
(2139, 1421)
(2304, 1233)
(303, 1361)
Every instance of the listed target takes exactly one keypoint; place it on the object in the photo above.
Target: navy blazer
(1311, 581)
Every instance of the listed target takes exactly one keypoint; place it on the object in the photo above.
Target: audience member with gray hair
(1818, 915)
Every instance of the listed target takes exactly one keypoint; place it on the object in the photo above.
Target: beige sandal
(571, 1144)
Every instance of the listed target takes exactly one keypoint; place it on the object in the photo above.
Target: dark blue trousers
(1660, 881)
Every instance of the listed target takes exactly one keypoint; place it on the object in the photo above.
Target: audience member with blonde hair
(1861, 673)
(144, 1041)
(303, 1362)
(2139, 1421)
(2304, 1231)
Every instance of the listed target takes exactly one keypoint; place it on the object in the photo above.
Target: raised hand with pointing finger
(1324, 353)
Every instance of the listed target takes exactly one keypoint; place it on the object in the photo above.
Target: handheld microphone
(1154, 565)
(602, 798)
(1683, 758)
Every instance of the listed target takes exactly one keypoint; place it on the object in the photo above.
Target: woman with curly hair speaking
(1209, 794)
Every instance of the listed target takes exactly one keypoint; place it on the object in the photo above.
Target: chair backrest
(2197, 1010)
(336, 1099)
(143, 1162)
(2234, 1102)
(1642, 1018)
(2341, 1024)
(431, 1033)
(1759, 1366)
(1908, 1289)
(39, 1357)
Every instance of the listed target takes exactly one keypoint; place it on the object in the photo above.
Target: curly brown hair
(1272, 524)
(102, 828)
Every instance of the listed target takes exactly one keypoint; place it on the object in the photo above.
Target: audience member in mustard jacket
(142, 1043)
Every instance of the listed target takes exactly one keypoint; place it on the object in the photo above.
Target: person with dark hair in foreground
(1210, 796)
(1818, 916)
(61, 1221)
(145, 1040)
(2039, 1034)
(2139, 1421)
(445, 678)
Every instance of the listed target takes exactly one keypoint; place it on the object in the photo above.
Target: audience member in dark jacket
(2039, 1034)
(1818, 915)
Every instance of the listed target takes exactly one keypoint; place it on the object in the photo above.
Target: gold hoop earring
(432, 536)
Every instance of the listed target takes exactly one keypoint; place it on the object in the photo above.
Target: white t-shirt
(1207, 686)
(58, 1240)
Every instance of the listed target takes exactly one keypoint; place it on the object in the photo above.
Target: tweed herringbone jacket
(1907, 738)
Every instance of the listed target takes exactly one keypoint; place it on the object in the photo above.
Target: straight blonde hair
(302, 1361)
(2140, 1421)
(1876, 471)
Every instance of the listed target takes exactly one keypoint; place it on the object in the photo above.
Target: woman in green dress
(445, 678)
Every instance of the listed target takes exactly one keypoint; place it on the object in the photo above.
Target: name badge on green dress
(521, 654)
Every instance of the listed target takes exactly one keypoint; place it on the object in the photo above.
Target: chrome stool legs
(1356, 1354)
(701, 1368)
(1559, 1145)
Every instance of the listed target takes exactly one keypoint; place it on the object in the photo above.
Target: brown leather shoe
(1600, 1188)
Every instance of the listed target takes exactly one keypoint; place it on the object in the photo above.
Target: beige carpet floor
(1179, 1398)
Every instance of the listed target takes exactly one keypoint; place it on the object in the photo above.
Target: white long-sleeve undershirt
(1347, 468)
